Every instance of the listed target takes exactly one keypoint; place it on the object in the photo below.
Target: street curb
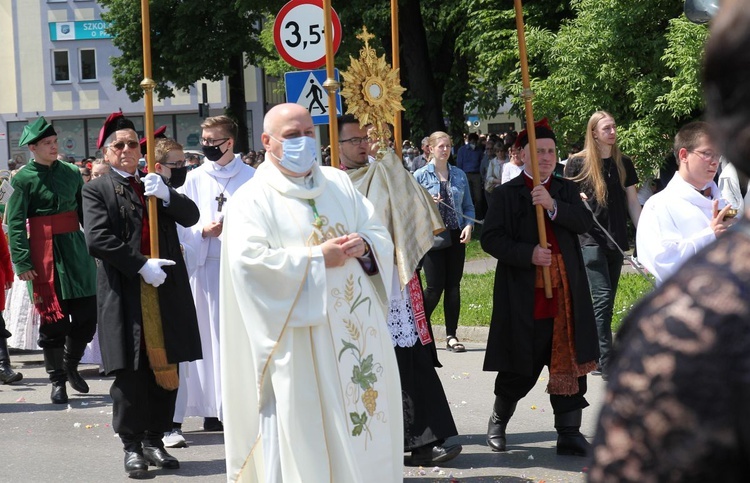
(470, 334)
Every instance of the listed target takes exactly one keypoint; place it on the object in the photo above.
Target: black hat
(115, 122)
(542, 131)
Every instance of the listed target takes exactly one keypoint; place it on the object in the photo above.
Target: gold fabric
(405, 208)
(164, 372)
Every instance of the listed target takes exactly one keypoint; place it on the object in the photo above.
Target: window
(61, 66)
(87, 64)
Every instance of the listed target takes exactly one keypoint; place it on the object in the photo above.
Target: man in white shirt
(688, 214)
(210, 186)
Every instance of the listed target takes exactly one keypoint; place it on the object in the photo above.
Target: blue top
(469, 160)
(460, 195)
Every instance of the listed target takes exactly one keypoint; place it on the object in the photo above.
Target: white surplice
(201, 379)
(674, 225)
(306, 350)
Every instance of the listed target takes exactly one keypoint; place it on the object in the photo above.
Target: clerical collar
(125, 174)
(226, 167)
(306, 181)
(531, 177)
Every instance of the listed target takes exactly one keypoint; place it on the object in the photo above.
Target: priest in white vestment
(313, 393)
(210, 186)
(688, 213)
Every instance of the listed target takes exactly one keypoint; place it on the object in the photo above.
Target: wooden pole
(331, 85)
(527, 96)
(148, 85)
(397, 135)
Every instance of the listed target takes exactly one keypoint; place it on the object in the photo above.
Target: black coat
(113, 216)
(510, 235)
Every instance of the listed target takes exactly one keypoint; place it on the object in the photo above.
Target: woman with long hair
(444, 268)
(607, 181)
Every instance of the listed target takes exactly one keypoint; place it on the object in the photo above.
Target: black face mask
(213, 153)
(178, 177)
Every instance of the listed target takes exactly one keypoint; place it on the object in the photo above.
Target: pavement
(43, 442)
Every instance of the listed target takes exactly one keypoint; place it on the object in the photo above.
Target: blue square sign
(305, 88)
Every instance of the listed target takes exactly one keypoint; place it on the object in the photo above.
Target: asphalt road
(41, 442)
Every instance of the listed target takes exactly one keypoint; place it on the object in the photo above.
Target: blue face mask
(299, 154)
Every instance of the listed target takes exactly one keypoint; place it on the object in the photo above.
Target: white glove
(152, 272)
(153, 185)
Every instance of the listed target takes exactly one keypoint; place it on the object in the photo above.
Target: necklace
(221, 199)
(317, 223)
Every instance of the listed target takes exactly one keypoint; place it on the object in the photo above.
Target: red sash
(417, 305)
(41, 230)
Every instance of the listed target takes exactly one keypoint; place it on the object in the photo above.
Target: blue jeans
(603, 269)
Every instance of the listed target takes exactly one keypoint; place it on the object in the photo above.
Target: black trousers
(443, 270)
(513, 387)
(142, 410)
(78, 322)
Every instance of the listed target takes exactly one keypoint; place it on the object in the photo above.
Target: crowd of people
(305, 280)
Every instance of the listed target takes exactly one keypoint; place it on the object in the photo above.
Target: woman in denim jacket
(443, 268)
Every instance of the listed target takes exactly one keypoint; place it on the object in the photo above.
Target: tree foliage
(638, 60)
(191, 40)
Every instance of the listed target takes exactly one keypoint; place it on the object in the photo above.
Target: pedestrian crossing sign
(305, 88)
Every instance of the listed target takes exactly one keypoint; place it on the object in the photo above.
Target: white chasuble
(309, 341)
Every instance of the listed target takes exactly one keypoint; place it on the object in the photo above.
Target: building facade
(55, 63)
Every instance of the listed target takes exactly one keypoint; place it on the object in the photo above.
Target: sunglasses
(120, 145)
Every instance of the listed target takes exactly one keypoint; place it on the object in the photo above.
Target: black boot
(501, 413)
(570, 441)
(7, 375)
(53, 361)
(73, 352)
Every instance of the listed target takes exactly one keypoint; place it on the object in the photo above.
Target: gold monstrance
(372, 91)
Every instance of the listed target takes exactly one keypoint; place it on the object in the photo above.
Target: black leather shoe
(59, 395)
(135, 465)
(212, 424)
(76, 380)
(160, 458)
(429, 456)
(8, 375)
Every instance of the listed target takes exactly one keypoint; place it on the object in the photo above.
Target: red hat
(542, 131)
(115, 122)
(159, 133)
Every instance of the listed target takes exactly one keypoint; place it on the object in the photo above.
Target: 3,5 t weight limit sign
(299, 33)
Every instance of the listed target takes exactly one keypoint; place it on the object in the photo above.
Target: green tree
(638, 60)
(191, 40)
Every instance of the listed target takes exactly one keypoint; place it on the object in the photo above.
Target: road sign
(306, 89)
(299, 36)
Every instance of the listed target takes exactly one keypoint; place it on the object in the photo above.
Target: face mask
(178, 177)
(213, 153)
(472, 145)
(299, 154)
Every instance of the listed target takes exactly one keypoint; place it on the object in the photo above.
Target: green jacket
(40, 190)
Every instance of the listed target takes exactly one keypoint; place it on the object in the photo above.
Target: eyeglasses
(354, 141)
(120, 145)
(177, 164)
(707, 155)
(213, 142)
(191, 167)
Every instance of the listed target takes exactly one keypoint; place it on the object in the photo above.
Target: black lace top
(678, 402)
